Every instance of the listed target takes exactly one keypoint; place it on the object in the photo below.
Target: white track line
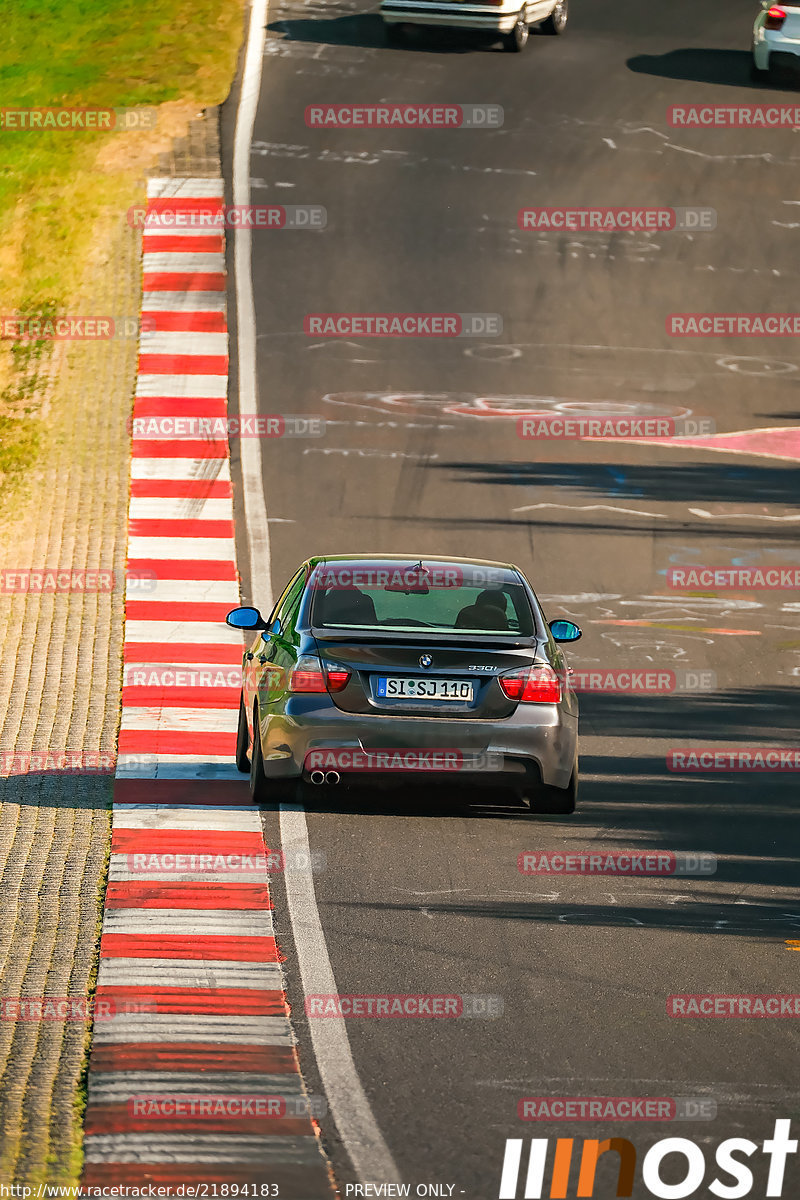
(250, 448)
(349, 1106)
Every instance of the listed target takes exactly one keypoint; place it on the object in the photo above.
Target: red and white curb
(190, 987)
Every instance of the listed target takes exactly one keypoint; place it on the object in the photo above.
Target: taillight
(309, 676)
(538, 685)
(337, 679)
(775, 17)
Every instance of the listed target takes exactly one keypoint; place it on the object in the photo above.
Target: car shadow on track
(367, 30)
(729, 68)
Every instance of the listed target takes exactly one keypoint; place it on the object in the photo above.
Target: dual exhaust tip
(329, 777)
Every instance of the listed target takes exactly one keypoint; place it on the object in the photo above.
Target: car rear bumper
(536, 743)
(450, 16)
(771, 49)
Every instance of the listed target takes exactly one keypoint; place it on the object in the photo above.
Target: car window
(501, 608)
(288, 600)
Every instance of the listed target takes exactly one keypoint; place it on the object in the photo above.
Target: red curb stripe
(240, 1002)
(178, 652)
(189, 1056)
(198, 743)
(173, 697)
(175, 610)
(210, 489)
(211, 407)
(197, 321)
(183, 364)
(115, 1118)
(178, 527)
(174, 281)
(186, 568)
(182, 791)
(131, 894)
(185, 204)
(198, 947)
(183, 448)
(168, 243)
(184, 841)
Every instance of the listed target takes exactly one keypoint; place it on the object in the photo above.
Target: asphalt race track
(421, 453)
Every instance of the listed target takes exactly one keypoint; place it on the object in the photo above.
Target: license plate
(405, 688)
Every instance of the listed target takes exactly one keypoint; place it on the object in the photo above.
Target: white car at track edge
(776, 38)
(502, 18)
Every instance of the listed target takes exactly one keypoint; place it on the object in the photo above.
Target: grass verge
(61, 190)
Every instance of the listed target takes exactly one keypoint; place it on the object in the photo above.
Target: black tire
(394, 34)
(556, 23)
(263, 789)
(518, 38)
(242, 741)
(758, 75)
(258, 780)
(555, 800)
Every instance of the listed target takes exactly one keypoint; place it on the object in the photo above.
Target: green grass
(60, 190)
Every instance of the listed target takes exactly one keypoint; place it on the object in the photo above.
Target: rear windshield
(440, 598)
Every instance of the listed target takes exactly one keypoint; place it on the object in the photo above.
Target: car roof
(409, 558)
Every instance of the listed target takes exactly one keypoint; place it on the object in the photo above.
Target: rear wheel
(557, 21)
(258, 780)
(518, 38)
(555, 800)
(264, 789)
(394, 34)
(242, 741)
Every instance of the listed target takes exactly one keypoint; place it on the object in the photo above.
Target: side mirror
(564, 631)
(275, 628)
(245, 618)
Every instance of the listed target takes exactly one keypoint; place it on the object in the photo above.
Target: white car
(502, 18)
(776, 38)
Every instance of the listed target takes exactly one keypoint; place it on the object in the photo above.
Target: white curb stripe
(182, 470)
(156, 262)
(193, 1027)
(207, 974)
(174, 341)
(193, 387)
